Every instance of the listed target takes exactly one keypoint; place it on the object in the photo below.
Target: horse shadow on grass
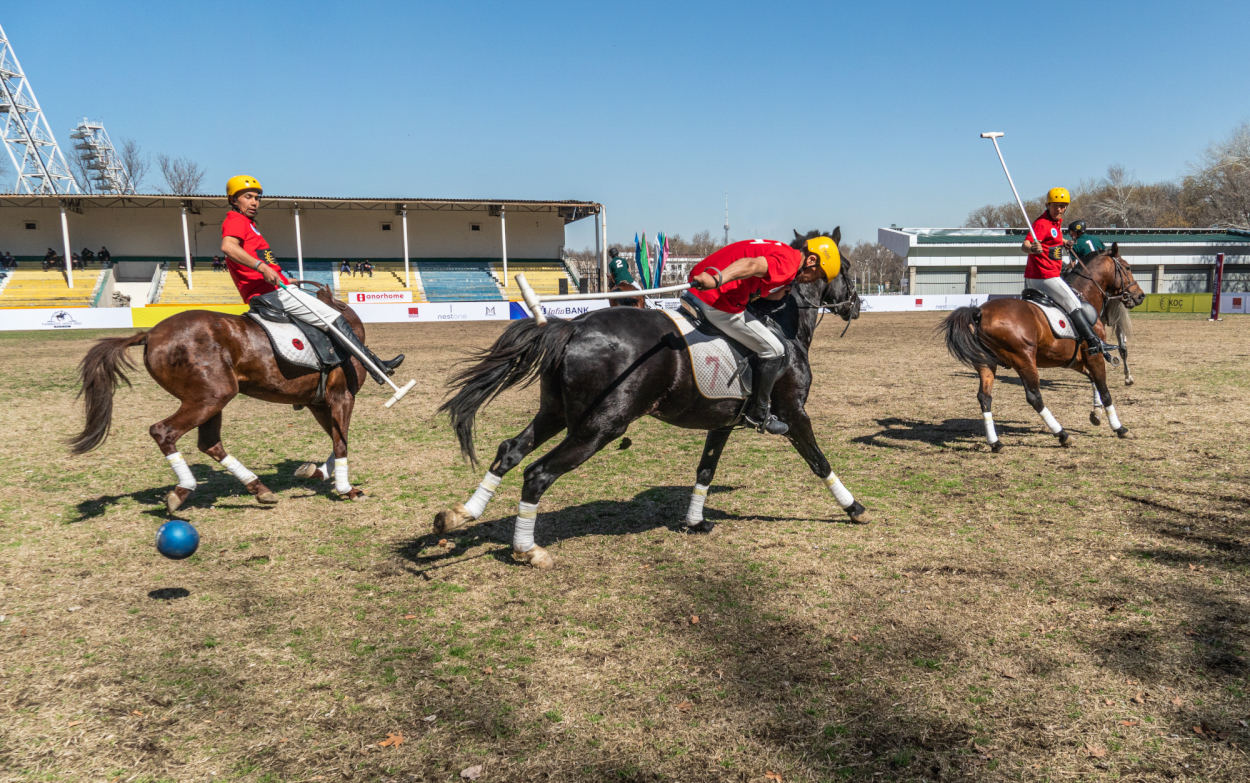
(652, 508)
(216, 489)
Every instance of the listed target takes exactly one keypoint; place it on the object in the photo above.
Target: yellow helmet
(1058, 196)
(238, 184)
(827, 250)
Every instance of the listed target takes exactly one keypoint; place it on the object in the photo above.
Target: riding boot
(765, 374)
(387, 366)
(1085, 330)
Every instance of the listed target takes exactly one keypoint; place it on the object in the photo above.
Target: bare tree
(135, 162)
(182, 175)
(873, 265)
(1218, 192)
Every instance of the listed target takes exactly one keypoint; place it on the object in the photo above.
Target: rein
(824, 308)
(1117, 282)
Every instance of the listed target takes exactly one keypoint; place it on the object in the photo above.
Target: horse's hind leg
(986, 398)
(1033, 393)
(1122, 345)
(804, 441)
(566, 456)
(334, 416)
(166, 432)
(209, 442)
(548, 422)
(712, 448)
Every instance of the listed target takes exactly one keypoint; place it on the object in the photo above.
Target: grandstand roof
(902, 240)
(569, 210)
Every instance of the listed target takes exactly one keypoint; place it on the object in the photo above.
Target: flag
(660, 253)
(644, 264)
(642, 278)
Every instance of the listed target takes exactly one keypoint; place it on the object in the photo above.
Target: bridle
(1081, 269)
(823, 307)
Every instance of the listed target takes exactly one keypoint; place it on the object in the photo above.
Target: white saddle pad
(716, 363)
(290, 343)
(1060, 323)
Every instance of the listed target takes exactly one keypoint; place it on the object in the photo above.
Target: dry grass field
(1042, 614)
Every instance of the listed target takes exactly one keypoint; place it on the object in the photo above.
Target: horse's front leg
(548, 421)
(804, 441)
(209, 442)
(712, 448)
(334, 416)
(1122, 345)
(1102, 396)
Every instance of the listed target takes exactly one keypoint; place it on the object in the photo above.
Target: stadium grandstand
(442, 250)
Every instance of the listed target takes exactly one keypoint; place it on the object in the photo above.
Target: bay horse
(1115, 316)
(606, 368)
(205, 359)
(1015, 333)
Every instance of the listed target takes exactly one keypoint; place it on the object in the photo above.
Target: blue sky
(806, 114)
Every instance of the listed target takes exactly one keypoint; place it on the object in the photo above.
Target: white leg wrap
(1112, 418)
(341, 484)
(523, 532)
(327, 467)
(840, 493)
(185, 479)
(991, 436)
(1097, 398)
(238, 470)
(694, 514)
(1049, 418)
(485, 491)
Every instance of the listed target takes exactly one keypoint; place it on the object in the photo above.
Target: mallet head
(992, 135)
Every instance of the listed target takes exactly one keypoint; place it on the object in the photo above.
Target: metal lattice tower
(32, 148)
(102, 166)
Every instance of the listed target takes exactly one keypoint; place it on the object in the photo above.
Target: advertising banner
(566, 310)
(431, 312)
(375, 297)
(902, 303)
(66, 318)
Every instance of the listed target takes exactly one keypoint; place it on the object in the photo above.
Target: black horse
(601, 371)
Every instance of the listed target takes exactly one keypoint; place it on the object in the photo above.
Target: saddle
(1060, 321)
(297, 343)
(722, 367)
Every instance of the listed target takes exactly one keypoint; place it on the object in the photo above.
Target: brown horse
(626, 301)
(204, 359)
(1015, 333)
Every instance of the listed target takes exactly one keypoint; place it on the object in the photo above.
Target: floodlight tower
(103, 167)
(40, 166)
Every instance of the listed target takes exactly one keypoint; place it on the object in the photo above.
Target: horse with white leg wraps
(603, 370)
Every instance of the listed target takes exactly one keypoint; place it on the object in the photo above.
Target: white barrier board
(68, 318)
(428, 312)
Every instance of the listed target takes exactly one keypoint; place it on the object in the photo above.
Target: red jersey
(1050, 234)
(784, 263)
(249, 281)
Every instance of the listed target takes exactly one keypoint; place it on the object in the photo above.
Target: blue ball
(177, 539)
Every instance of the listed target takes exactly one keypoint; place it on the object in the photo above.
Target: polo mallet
(534, 302)
(400, 391)
(994, 136)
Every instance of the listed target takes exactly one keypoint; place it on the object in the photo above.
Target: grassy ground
(1039, 614)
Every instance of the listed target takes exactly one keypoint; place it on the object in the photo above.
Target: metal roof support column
(186, 246)
(503, 234)
(403, 224)
(299, 245)
(69, 266)
(603, 254)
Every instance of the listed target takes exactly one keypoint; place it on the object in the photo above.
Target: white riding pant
(306, 307)
(746, 329)
(1056, 289)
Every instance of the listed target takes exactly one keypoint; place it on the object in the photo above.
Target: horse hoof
(537, 557)
(267, 498)
(355, 494)
(1094, 419)
(451, 519)
(306, 471)
(857, 513)
(703, 526)
(996, 446)
(175, 498)
(1063, 437)
(1128, 381)
(1122, 432)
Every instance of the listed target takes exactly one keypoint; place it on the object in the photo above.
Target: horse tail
(101, 370)
(963, 338)
(1116, 316)
(522, 353)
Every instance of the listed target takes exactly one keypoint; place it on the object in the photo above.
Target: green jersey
(1087, 247)
(619, 270)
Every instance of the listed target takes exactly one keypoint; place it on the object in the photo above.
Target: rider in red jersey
(723, 284)
(254, 272)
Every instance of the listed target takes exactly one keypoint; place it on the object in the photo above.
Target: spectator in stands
(104, 255)
(8, 260)
(251, 265)
(345, 268)
(368, 267)
(75, 262)
(87, 256)
(359, 270)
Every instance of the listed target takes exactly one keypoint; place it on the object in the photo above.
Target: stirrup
(770, 425)
(1110, 352)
